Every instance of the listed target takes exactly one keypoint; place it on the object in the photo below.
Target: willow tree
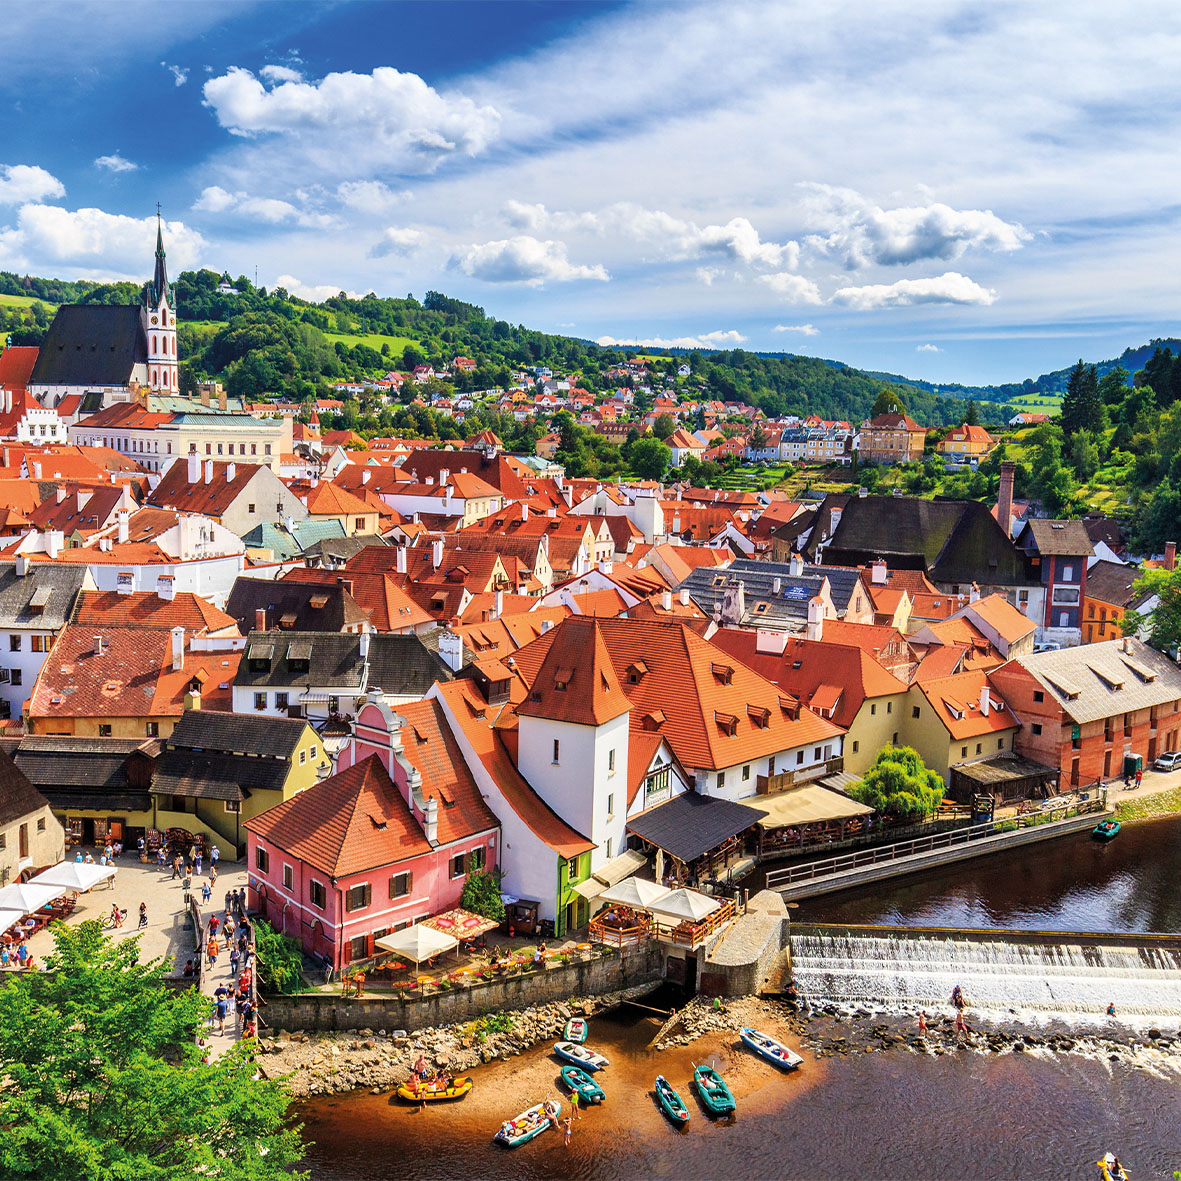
(900, 784)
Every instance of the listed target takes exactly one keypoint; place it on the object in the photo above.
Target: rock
(1154, 1034)
(374, 1090)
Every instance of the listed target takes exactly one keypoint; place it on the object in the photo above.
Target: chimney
(1004, 502)
(60, 494)
(193, 699)
(973, 593)
(437, 553)
(498, 604)
(795, 566)
(1170, 554)
(54, 540)
(221, 399)
(431, 821)
(444, 476)
(677, 523)
(815, 618)
(666, 600)
(364, 645)
(260, 619)
(22, 565)
(124, 583)
(451, 650)
(231, 472)
(204, 394)
(770, 642)
(776, 585)
(524, 511)
(985, 699)
(546, 625)
(36, 470)
(209, 471)
(684, 596)
(194, 468)
(364, 478)
(400, 559)
(551, 511)
(606, 567)
(1127, 645)
(178, 649)
(879, 574)
(124, 527)
(98, 645)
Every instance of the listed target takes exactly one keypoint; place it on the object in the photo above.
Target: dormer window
(723, 672)
(728, 723)
(562, 679)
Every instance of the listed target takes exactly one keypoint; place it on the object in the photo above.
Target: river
(963, 1115)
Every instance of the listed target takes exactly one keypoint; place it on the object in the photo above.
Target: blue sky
(954, 191)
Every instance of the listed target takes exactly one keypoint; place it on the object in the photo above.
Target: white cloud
(179, 74)
(115, 163)
(397, 240)
(951, 287)
(802, 329)
(271, 210)
(707, 340)
(523, 259)
(47, 236)
(371, 196)
(387, 119)
(792, 288)
(214, 199)
(860, 233)
(27, 182)
(313, 294)
(928, 348)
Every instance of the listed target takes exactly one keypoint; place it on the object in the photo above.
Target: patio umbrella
(74, 875)
(417, 943)
(27, 897)
(638, 893)
(8, 917)
(463, 924)
(686, 904)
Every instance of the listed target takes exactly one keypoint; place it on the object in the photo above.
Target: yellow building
(966, 442)
(957, 719)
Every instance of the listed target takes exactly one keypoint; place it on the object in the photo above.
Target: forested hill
(262, 342)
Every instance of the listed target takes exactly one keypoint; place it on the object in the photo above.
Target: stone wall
(750, 953)
(608, 972)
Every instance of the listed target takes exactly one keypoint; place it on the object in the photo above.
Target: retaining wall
(603, 973)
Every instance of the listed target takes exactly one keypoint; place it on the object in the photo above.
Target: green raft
(717, 1097)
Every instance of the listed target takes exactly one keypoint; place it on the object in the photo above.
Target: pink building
(388, 840)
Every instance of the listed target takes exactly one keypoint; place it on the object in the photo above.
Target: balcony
(766, 785)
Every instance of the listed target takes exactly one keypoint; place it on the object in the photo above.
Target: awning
(808, 805)
(589, 889)
(74, 875)
(417, 943)
(620, 867)
(691, 825)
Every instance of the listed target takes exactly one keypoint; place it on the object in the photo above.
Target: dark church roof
(91, 345)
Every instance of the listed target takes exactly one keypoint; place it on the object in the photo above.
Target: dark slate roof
(18, 796)
(86, 772)
(62, 584)
(1066, 538)
(690, 825)
(842, 580)
(1107, 530)
(823, 525)
(334, 661)
(1111, 582)
(763, 605)
(404, 665)
(91, 345)
(217, 776)
(327, 550)
(290, 605)
(246, 734)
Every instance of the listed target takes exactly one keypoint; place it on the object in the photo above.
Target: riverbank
(1149, 806)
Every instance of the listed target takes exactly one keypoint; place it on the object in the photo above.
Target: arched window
(155, 377)
(153, 344)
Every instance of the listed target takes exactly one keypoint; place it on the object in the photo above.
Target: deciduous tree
(900, 784)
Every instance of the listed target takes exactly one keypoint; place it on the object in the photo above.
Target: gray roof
(1066, 538)
(842, 580)
(690, 825)
(334, 661)
(88, 772)
(245, 734)
(404, 664)
(91, 345)
(1111, 582)
(18, 796)
(306, 606)
(1100, 680)
(54, 587)
(217, 776)
(763, 604)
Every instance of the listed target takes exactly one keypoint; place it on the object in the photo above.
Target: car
(1048, 646)
(1169, 761)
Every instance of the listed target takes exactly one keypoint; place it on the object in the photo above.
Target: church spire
(159, 289)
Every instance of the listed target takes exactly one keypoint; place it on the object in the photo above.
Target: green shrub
(280, 959)
(481, 895)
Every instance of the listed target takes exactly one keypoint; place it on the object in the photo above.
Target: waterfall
(1048, 978)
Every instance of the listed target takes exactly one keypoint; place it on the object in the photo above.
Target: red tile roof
(353, 821)
(16, 366)
(212, 499)
(575, 681)
(327, 500)
(144, 609)
(956, 701)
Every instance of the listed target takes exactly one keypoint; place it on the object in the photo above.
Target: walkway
(213, 978)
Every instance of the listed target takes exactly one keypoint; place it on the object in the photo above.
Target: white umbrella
(638, 893)
(417, 943)
(8, 917)
(686, 904)
(28, 897)
(74, 875)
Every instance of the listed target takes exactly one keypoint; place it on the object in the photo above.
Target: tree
(1082, 407)
(972, 414)
(1159, 519)
(887, 402)
(900, 784)
(481, 895)
(649, 458)
(104, 1079)
(1164, 620)
(1084, 455)
(664, 426)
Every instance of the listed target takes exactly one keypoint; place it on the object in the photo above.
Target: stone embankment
(325, 1063)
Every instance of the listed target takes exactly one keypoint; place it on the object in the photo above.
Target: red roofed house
(388, 840)
(965, 443)
(683, 444)
(891, 438)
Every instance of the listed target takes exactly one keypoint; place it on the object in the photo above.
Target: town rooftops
(288, 605)
(958, 703)
(18, 796)
(1065, 538)
(1112, 582)
(144, 609)
(243, 734)
(16, 367)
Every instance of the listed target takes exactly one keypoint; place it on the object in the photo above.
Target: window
(610, 764)
(964, 752)
(458, 866)
(979, 748)
(856, 746)
(41, 824)
(358, 948)
(17, 676)
(303, 757)
(104, 730)
(816, 755)
(1000, 744)
(557, 748)
(1067, 573)
(262, 860)
(318, 894)
(152, 729)
(873, 708)
(915, 711)
(799, 758)
(14, 643)
(260, 701)
(657, 781)
(1036, 728)
(720, 781)
(38, 643)
(281, 700)
(1038, 695)
(746, 773)
(475, 859)
(23, 840)
(894, 738)
(571, 869)
(266, 449)
(250, 508)
(312, 752)
(4, 838)
(288, 877)
(889, 707)
(208, 448)
(219, 449)
(608, 848)
(401, 884)
(358, 897)
(278, 506)
(610, 804)
(232, 806)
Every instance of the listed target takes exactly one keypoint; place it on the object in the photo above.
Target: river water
(963, 1115)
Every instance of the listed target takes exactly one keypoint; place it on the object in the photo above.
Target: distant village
(369, 669)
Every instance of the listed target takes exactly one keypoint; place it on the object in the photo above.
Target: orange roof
(604, 602)
(576, 681)
(327, 500)
(212, 499)
(348, 823)
(996, 611)
(16, 366)
(682, 560)
(144, 609)
(969, 434)
(22, 495)
(956, 701)
(475, 719)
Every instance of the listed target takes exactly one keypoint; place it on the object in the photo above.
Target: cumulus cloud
(707, 340)
(179, 74)
(214, 199)
(371, 196)
(860, 233)
(951, 287)
(271, 210)
(792, 288)
(115, 163)
(101, 243)
(313, 294)
(523, 259)
(387, 118)
(396, 240)
(928, 348)
(802, 329)
(26, 182)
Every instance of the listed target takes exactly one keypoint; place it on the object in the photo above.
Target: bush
(280, 959)
(481, 895)
(900, 784)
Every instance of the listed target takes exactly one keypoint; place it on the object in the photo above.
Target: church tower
(159, 320)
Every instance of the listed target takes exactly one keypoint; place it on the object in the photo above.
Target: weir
(1043, 973)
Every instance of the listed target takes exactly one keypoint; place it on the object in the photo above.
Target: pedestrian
(116, 915)
(176, 868)
(211, 950)
(1111, 1009)
(240, 902)
(228, 926)
(235, 960)
(923, 1021)
(568, 1128)
(139, 846)
(213, 872)
(221, 1015)
(143, 914)
(960, 1026)
(1139, 776)
(161, 857)
(228, 902)
(214, 923)
(206, 891)
(197, 863)
(214, 855)
(192, 852)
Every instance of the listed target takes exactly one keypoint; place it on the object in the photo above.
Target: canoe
(716, 1096)
(434, 1089)
(1108, 1170)
(582, 1084)
(1106, 831)
(670, 1101)
(767, 1047)
(580, 1055)
(576, 1030)
(528, 1124)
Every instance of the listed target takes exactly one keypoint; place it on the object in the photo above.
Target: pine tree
(972, 416)
(1082, 407)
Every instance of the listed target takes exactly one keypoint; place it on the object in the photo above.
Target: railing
(778, 878)
(782, 780)
(645, 927)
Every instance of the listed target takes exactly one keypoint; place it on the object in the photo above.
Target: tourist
(240, 899)
(116, 915)
(235, 959)
(213, 872)
(143, 914)
(214, 855)
(214, 923)
(227, 900)
(176, 868)
(161, 857)
(206, 891)
(568, 1127)
(220, 1010)
(197, 863)
(923, 1021)
(22, 955)
(189, 969)
(228, 926)
(88, 860)
(4, 961)
(211, 951)
(957, 997)
(1139, 776)
(1111, 1009)
(139, 847)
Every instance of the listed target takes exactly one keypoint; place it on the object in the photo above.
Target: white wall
(25, 664)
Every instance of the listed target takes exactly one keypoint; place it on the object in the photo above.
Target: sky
(971, 192)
